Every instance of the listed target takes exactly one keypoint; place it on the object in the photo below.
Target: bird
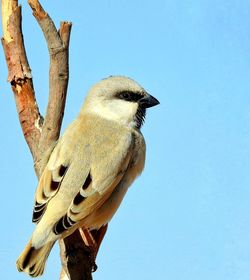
(90, 167)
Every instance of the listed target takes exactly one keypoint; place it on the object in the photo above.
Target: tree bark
(19, 75)
(58, 46)
(41, 133)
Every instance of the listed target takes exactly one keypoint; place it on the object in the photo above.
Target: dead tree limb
(41, 134)
(19, 75)
(57, 43)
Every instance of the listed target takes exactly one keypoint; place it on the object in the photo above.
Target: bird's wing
(53, 173)
(48, 186)
(104, 175)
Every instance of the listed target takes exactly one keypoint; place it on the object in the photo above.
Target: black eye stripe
(129, 96)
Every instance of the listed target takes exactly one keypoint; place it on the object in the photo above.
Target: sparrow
(90, 167)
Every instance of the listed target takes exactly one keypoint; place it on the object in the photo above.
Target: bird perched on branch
(90, 168)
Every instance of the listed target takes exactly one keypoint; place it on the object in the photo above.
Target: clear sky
(187, 216)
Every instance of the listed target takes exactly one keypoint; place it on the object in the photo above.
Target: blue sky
(187, 216)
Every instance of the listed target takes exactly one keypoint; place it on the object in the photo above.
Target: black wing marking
(78, 199)
(40, 208)
(62, 170)
(87, 182)
(66, 222)
(38, 212)
(63, 224)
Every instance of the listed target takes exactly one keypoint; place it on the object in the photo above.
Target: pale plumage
(90, 168)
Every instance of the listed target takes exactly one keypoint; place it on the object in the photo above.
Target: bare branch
(57, 43)
(20, 74)
(7, 9)
(76, 258)
(64, 31)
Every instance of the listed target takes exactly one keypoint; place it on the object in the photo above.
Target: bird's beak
(148, 101)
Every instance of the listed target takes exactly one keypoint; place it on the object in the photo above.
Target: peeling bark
(19, 75)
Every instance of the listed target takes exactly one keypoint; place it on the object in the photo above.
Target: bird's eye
(129, 96)
(125, 95)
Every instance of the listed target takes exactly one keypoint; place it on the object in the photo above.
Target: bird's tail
(32, 261)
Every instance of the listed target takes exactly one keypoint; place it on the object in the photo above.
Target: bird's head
(119, 99)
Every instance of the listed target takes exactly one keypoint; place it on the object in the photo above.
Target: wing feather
(48, 186)
(93, 194)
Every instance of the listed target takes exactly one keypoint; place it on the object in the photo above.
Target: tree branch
(57, 43)
(76, 258)
(20, 75)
